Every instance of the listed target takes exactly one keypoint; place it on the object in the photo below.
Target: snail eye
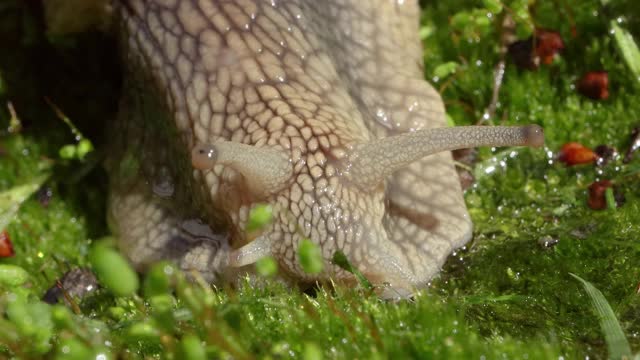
(203, 157)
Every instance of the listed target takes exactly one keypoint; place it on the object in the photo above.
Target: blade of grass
(617, 343)
(609, 197)
(628, 48)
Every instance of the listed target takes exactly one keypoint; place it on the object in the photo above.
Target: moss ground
(502, 296)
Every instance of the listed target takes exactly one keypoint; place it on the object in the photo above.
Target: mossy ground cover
(505, 294)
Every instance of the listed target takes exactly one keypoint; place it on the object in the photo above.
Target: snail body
(317, 108)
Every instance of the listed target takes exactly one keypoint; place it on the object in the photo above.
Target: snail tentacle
(265, 170)
(250, 253)
(371, 163)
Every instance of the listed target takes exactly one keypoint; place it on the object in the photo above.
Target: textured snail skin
(315, 81)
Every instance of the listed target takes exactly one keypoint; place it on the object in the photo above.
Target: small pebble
(548, 242)
(635, 144)
(605, 154)
(44, 196)
(77, 283)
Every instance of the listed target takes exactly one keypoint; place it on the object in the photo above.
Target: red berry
(574, 153)
(6, 247)
(597, 200)
(594, 85)
(548, 44)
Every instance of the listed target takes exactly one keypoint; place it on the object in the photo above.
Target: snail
(318, 109)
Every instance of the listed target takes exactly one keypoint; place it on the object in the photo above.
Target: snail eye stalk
(372, 162)
(265, 170)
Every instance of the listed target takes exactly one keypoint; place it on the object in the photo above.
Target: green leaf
(10, 200)
(617, 343)
(190, 348)
(83, 148)
(62, 317)
(163, 303)
(67, 152)
(310, 257)
(76, 151)
(143, 332)
(495, 6)
(259, 216)
(445, 69)
(33, 320)
(113, 271)
(267, 266)
(12, 275)
(461, 20)
(73, 349)
(481, 21)
(158, 279)
(611, 201)
(628, 48)
(340, 259)
(312, 352)
(450, 121)
(426, 31)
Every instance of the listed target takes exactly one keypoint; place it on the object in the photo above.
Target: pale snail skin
(318, 108)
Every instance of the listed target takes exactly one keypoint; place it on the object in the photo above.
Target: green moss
(505, 280)
(506, 294)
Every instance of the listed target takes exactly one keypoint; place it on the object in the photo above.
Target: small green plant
(267, 266)
(76, 151)
(259, 217)
(113, 270)
(12, 275)
(617, 343)
(83, 145)
(341, 260)
(310, 257)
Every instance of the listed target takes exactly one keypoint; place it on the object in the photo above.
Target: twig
(15, 125)
(74, 130)
(506, 36)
